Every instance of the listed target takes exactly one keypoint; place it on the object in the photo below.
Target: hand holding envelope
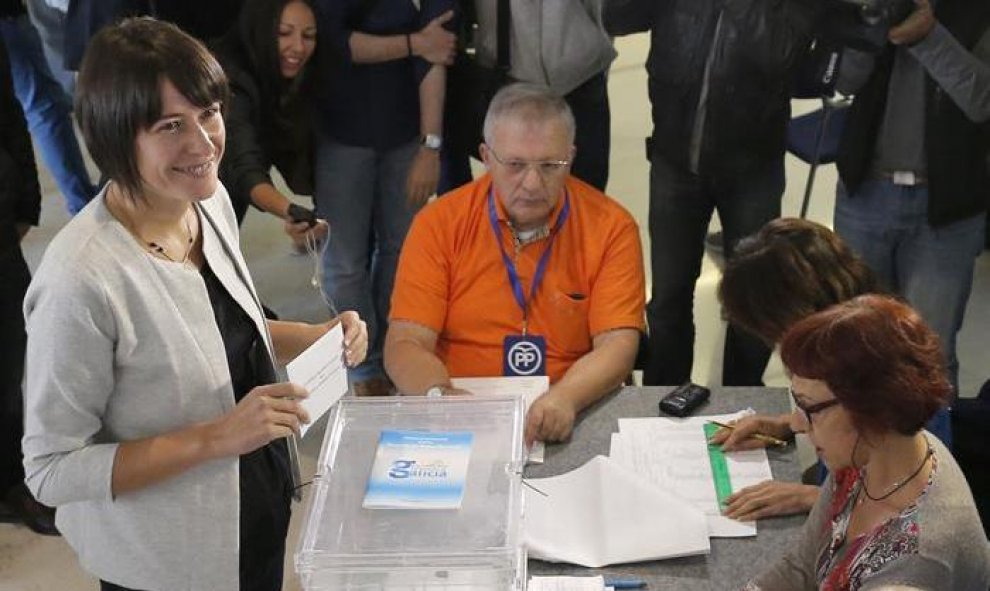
(321, 370)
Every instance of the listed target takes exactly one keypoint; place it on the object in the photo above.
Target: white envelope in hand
(603, 513)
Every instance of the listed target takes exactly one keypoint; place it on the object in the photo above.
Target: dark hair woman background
(787, 271)
(269, 58)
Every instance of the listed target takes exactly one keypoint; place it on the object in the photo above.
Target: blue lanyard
(541, 267)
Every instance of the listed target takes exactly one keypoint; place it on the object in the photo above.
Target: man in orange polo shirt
(524, 271)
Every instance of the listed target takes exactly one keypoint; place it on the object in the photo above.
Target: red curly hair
(877, 356)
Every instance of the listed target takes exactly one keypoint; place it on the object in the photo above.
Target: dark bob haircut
(118, 92)
(878, 357)
(789, 269)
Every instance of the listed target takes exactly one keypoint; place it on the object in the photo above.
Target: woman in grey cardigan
(153, 420)
(896, 510)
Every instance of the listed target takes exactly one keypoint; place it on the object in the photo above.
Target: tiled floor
(32, 563)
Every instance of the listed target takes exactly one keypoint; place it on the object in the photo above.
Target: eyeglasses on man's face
(811, 409)
(545, 168)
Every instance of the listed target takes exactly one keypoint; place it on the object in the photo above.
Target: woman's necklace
(897, 485)
(161, 250)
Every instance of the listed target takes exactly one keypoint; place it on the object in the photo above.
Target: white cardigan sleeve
(69, 378)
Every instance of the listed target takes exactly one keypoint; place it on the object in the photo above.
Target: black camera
(887, 12)
(864, 24)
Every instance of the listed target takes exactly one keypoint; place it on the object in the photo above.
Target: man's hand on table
(550, 418)
(770, 498)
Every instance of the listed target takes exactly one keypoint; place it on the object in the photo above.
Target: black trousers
(13, 342)
(681, 205)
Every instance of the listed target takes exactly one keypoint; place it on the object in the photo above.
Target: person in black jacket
(84, 18)
(914, 186)
(268, 58)
(20, 207)
(719, 84)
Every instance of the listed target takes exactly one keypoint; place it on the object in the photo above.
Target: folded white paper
(320, 369)
(566, 584)
(603, 513)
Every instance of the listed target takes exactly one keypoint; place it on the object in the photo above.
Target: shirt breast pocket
(568, 314)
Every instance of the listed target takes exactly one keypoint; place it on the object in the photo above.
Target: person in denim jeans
(46, 107)
(914, 187)
(377, 157)
(48, 18)
(719, 85)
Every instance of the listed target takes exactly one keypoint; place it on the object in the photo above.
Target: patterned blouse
(937, 543)
(844, 564)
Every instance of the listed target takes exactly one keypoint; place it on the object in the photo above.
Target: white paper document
(529, 387)
(320, 369)
(673, 454)
(604, 513)
(566, 584)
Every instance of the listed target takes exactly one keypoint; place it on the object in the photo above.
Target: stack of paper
(673, 454)
(603, 513)
(653, 498)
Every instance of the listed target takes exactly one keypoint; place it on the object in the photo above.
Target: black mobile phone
(684, 400)
(298, 213)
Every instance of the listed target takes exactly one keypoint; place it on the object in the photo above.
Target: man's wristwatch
(435, 392)
(431, 141)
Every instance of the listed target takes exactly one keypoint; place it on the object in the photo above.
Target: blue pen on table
(624, 583)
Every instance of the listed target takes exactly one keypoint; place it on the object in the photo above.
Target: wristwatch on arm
(436, 391)
(431, 141)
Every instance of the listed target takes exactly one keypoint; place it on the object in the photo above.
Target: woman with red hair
(896, 510)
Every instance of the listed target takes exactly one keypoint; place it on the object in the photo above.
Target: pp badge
(524, 356)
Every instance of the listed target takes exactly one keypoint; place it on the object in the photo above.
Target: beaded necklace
(160, 249)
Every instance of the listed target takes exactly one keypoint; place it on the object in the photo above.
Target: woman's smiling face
(179, 154)
(296, 38)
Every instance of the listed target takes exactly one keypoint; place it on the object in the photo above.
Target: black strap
(502, 21)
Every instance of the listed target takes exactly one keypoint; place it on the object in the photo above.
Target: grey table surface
(732, 560)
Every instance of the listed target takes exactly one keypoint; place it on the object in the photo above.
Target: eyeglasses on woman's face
(811, 409)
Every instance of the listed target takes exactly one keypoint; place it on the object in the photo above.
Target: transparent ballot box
(393, 536)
